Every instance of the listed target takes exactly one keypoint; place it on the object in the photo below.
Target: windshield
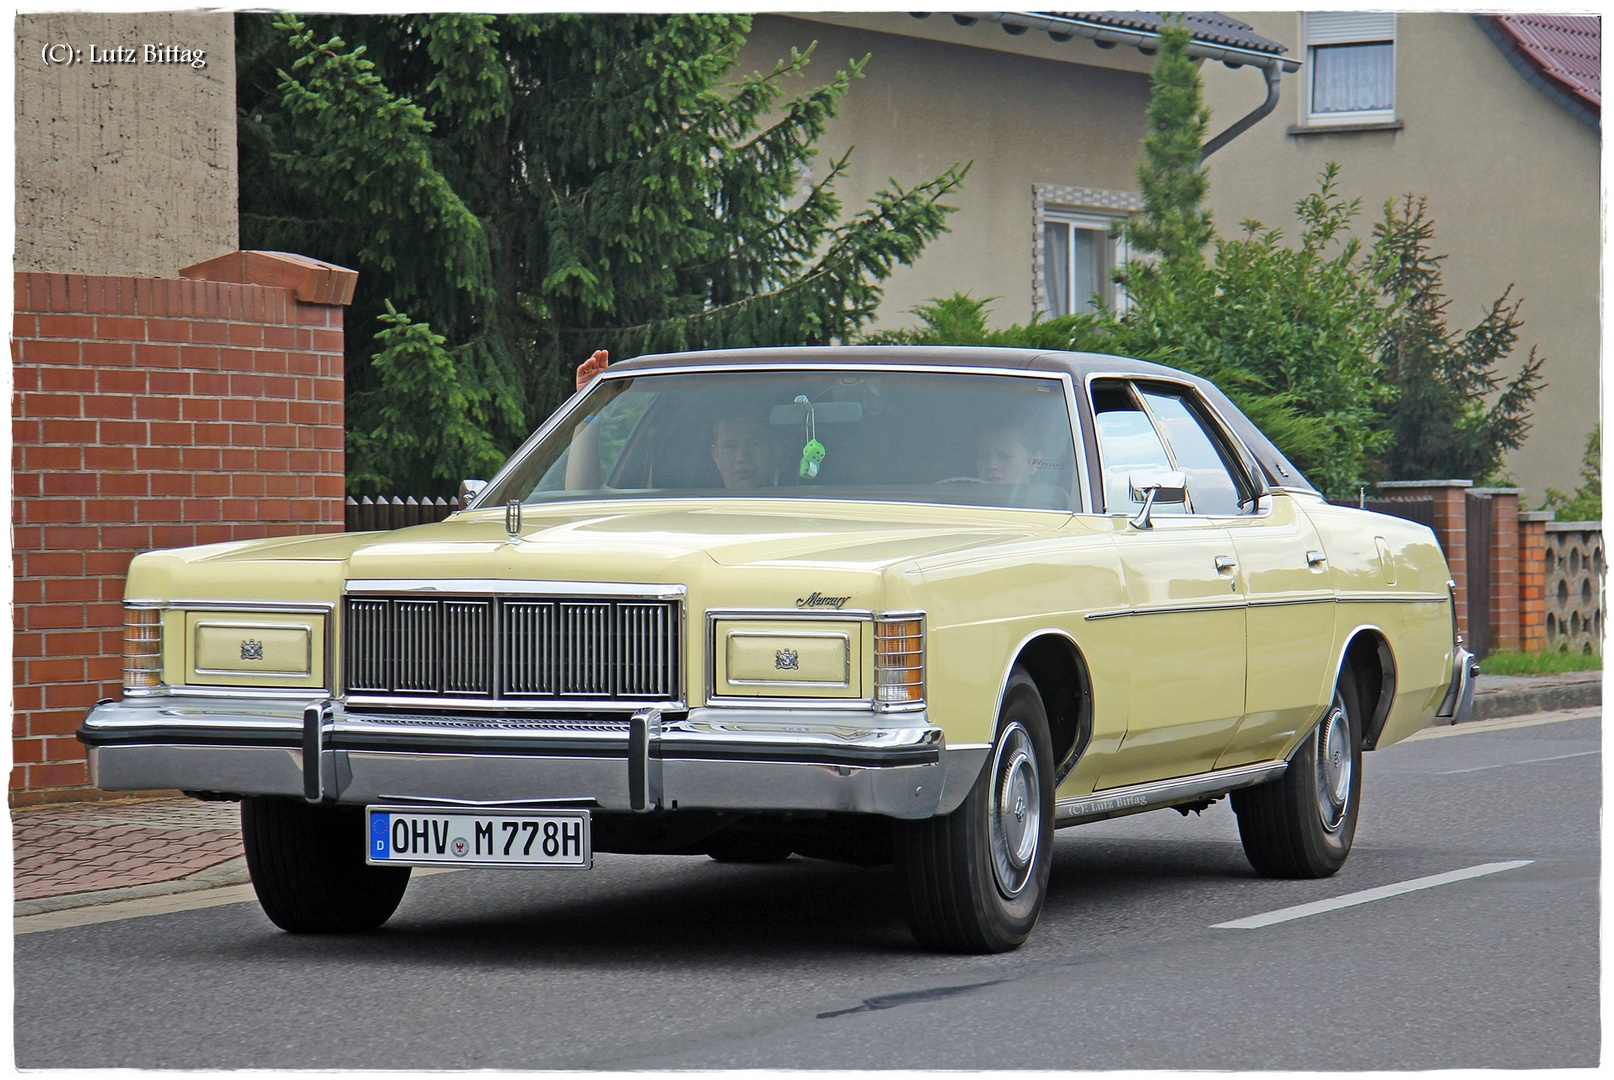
(980, 440)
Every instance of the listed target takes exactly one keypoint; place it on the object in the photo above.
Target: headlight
(899, 658)
(142, 648)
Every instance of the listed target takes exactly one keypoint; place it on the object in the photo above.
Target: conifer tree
(1438, 420)
(519, 190)
(1173, 222)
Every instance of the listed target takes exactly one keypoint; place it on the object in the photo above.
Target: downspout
(1063, 28)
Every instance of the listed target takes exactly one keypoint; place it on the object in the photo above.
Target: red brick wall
(1533, 579)
(148, 414)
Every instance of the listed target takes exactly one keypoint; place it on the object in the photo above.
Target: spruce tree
(1173, 183)
(1439, 422)
(519, 190)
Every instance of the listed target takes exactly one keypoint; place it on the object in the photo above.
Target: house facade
(1049, 114)
(1496, 119)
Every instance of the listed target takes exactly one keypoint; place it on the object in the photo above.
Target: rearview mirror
(824, 412)
(1155, 485)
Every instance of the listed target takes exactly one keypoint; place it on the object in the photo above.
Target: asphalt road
(650, 963)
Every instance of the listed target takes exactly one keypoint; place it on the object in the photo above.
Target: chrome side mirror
(469, 489)
(1152, 486)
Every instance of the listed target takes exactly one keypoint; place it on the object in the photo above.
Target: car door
(1282, 573)
(1185, 609)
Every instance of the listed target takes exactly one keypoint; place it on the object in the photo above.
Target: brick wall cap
(1496, 491)
(1410, 484)
(313, 281)
(1574, 526)
(1537, 515)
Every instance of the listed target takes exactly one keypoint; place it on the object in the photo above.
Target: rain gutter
(1064, 27)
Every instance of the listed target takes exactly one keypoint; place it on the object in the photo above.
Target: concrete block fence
(153, 413)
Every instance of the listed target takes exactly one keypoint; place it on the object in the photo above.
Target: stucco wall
(124, 168)
(924, 104)
(1513, 185)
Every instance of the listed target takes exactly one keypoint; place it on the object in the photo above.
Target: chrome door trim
(1160, 793)
(1292, 601)
(1395, 598)
(1171, 609)
(517, 587)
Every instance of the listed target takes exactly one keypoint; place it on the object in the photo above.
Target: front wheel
(308, 869)
(1301, 825)
(974, 881)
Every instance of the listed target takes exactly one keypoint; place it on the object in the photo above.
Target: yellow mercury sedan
(902, 605)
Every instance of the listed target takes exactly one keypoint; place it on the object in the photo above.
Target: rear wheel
(974, 881)
(1301, 825)
(308, 869)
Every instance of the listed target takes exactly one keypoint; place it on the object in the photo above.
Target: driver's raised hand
(592, 367)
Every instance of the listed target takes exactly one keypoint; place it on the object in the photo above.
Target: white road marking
(1480, 727)
(1300, 911)
(1526, 761)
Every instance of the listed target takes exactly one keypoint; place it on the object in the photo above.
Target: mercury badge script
(818, 599)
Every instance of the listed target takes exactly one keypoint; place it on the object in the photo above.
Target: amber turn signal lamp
(899, 660)
(142, 648)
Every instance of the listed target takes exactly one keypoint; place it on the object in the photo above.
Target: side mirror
(1152, 486)
(469, 489)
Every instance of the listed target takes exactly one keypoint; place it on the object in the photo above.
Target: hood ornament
(512, 519)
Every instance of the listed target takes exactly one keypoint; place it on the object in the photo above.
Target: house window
(1079, 257)
(1351, 57)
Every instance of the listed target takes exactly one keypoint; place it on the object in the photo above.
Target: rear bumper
(1458, 704)
(894, 764)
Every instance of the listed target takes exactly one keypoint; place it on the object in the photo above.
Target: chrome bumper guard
(895, 764)
(1459, 701)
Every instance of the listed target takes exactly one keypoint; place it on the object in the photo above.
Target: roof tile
(1565, 49)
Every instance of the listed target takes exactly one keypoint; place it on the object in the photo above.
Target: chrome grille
(519, 649)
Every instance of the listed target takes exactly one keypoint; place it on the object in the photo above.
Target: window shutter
(1342, 27)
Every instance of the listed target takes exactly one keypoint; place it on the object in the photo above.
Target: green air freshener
(811, 455)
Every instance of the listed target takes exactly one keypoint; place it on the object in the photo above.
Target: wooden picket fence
(366, 514)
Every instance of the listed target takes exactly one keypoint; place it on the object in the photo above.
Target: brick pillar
(1504, 566)
(154, 413)
(1533, 579)
(1451, 527)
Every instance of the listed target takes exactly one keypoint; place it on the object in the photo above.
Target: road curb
(1519, 701)
(230, 872)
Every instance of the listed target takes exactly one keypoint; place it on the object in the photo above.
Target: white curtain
(1056, 266)
(1353, 78)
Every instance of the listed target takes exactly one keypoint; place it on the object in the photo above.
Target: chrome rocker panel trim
(897, 765)
(1136, 798)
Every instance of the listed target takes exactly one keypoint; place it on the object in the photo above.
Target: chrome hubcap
(1333, 766)
(1016, 811)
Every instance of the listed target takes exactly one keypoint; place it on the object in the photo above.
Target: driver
(743, 449)
(1006, 453)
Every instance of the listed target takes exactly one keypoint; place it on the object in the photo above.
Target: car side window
(1127, 442)
(1213, 487)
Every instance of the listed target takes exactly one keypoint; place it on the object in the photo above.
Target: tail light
(142, 648)
(899, 659)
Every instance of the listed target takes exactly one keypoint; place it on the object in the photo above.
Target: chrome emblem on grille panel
(252, 650)
(787, 660)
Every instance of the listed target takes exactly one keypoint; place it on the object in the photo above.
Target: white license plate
(417, 836)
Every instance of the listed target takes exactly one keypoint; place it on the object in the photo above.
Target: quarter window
(1351, 60)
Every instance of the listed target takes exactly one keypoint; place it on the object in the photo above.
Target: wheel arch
(1370, 661)
(1056, 664)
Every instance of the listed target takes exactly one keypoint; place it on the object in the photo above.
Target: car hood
(636, 541)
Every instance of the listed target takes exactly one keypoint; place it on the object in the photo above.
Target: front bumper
(1458, 704)
(895, 764)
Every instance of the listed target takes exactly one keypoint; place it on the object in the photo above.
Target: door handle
(1225, 562)
(1315, 558)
